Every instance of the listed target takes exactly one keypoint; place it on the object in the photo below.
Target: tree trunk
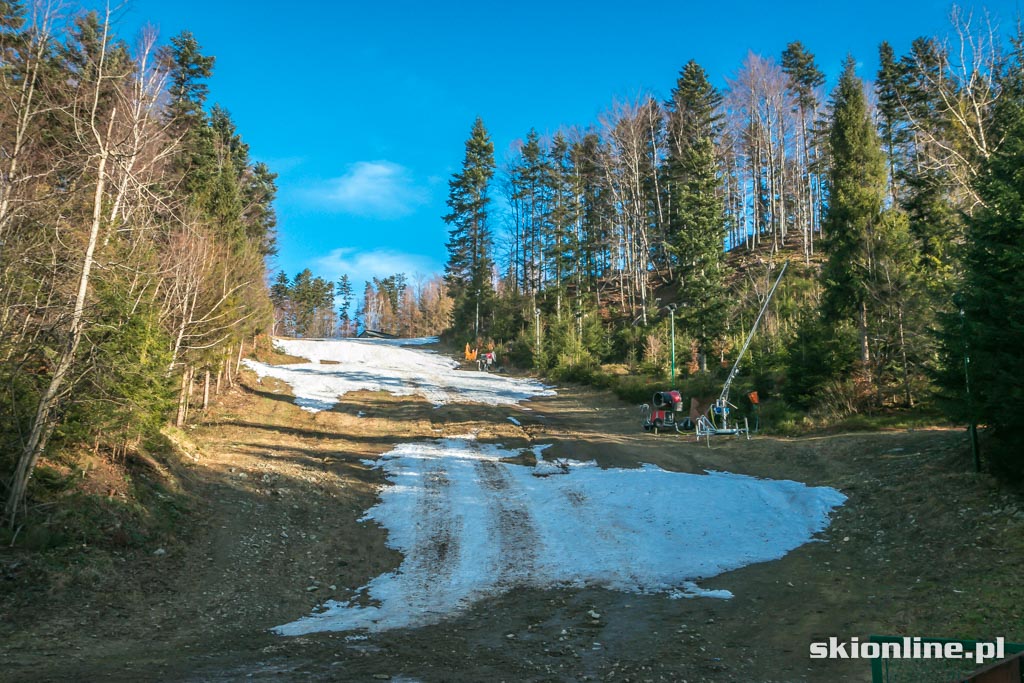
(42, 424)
(227, 368)
(206, 390)
(865, 351)
(907, 396)
(188, 394)
(182, 398)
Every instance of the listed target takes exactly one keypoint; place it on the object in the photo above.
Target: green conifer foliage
(856, 186)
(696, 212)
(985, 341)
(468, 272)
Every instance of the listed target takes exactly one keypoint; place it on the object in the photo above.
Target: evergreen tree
(856, 186)
(804, 80)
(934, 219)
(468, 271)
(986, 339)
(891, 115)
(280, 297)
(562, 218)
(344, 289)
(188, 69)
(696, 216)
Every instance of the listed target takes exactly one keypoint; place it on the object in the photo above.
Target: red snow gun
(665, 411)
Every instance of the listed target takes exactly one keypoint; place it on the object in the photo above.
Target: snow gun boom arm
(723, 398)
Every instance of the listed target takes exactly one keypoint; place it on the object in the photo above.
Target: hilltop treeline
(305, 306)
(133, 232)
(895, 201)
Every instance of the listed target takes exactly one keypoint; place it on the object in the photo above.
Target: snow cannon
(668, 400)
(664, 411)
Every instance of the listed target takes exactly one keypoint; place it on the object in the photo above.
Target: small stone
(510, 636)
(311, 589)
(333, 587)
(593, 615)
(159, 551)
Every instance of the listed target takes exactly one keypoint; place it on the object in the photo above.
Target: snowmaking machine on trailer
(714, 421)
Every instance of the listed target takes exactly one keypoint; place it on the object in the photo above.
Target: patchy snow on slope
(470, 526)
(387, 365)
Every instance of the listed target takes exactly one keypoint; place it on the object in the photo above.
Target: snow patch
(387, 365)
(470, 526)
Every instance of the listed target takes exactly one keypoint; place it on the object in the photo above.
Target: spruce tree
(696, 215)
(891, 114)
(984, 343)
(344, 289)
(856, 194)
(188, 69)
(468, 271)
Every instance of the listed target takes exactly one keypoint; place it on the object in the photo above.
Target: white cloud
(372, 189)
(363, 266)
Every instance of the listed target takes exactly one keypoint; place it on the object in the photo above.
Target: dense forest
(895, 201)
(134, 230)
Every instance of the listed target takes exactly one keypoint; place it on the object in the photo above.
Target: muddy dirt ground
(923, 547)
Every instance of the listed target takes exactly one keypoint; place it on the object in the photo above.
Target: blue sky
(362, 108)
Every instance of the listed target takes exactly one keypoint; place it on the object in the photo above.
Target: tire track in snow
(437, 547)
(603, 541)
(511, 522)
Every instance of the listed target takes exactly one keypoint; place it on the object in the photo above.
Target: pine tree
(696, 216)
(468, 271)
(856, 186)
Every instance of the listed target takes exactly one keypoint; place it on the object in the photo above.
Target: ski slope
(470, 526)
(391, 365)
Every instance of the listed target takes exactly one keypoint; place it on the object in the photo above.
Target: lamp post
(972, 429)
(476, 325)
(536, 315)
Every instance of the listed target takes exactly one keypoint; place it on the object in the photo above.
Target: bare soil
(922, 547)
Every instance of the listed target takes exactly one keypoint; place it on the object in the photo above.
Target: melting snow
(385, 365)
(470, 526)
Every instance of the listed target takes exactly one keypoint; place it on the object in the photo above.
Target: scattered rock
(593, 615)
(159, 552)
